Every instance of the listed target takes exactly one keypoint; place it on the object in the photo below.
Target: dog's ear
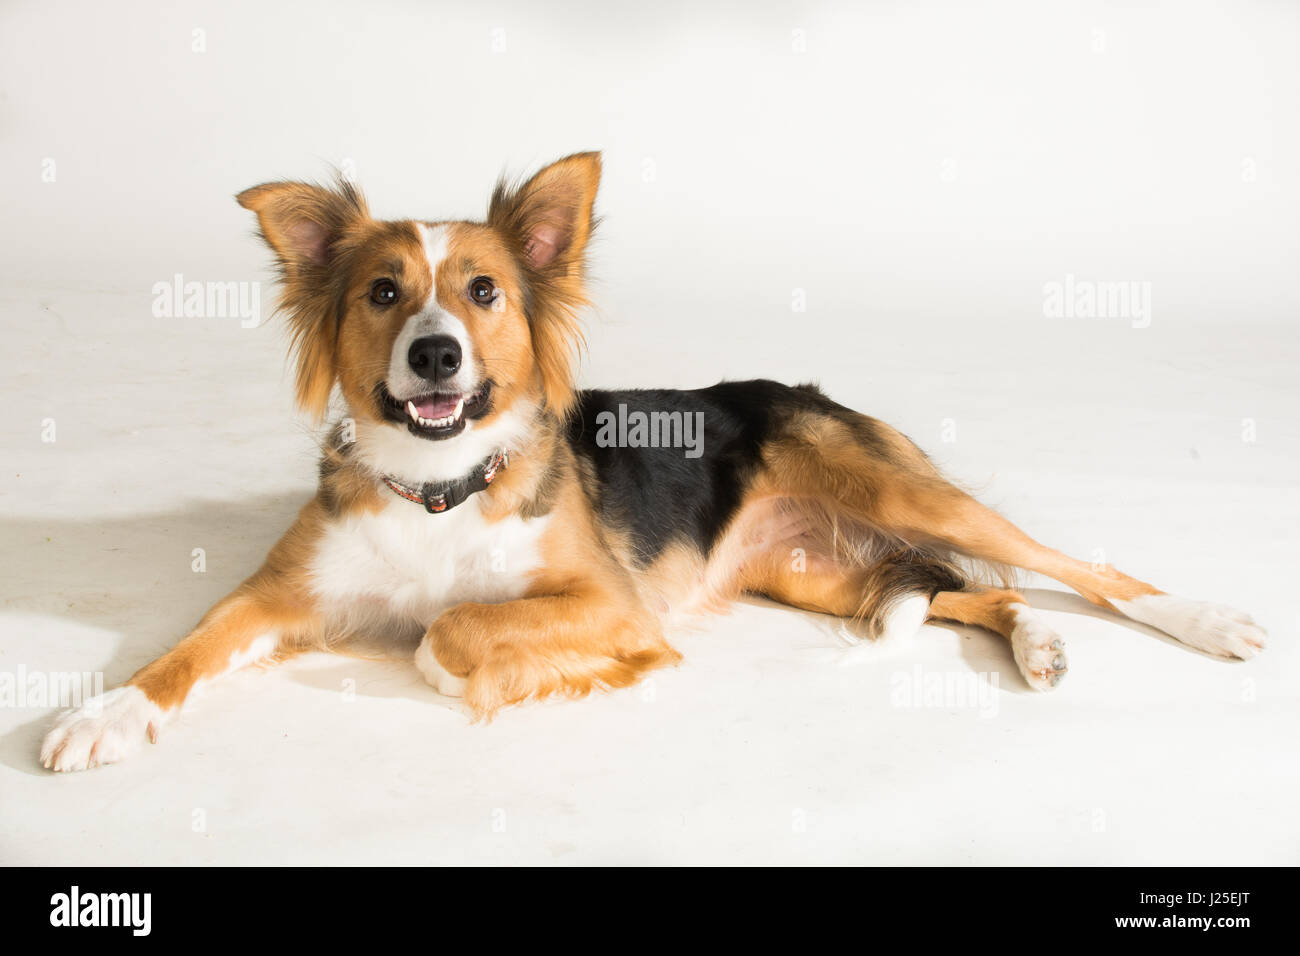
(548, 220)
(303, 224)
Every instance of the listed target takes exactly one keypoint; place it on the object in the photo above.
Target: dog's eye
(482, 291)
(383, 292)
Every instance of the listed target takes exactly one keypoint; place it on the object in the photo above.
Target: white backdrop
(892, 158)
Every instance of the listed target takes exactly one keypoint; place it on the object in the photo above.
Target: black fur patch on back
(658, 495)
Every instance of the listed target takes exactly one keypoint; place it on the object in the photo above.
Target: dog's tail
(888, 569)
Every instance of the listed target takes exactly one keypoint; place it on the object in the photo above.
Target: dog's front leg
(245, 627)
(569, 644)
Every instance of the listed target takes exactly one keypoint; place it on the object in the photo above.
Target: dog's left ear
(550, 215)
(549, 220)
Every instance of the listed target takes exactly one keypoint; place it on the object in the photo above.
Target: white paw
(1213, 628)
(448, 685)
(1039, 650)
(103, 730)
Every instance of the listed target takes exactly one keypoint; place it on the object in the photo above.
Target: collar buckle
(439, 498)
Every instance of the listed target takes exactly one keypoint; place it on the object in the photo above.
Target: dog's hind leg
(893, 593)
(805, 555)
(1039, 652)
(890, 596)
(960, 522)
(876, 475)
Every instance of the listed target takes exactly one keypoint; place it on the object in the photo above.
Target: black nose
(435, 357)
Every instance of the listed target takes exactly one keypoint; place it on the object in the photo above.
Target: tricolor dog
(472, 505)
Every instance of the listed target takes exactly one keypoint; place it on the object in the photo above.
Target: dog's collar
(439, 497)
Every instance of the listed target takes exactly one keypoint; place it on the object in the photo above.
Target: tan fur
(581, 626)
(993, 610)
(903, 496)
(303, 224)
(558, 197)
(273, 601)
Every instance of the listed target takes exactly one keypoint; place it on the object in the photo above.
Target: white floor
(769, 743)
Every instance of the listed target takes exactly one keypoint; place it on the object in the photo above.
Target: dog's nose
(434, 357)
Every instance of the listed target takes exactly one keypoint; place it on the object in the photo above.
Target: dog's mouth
(437, 415)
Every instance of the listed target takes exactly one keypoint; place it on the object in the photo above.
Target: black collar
(440, 497)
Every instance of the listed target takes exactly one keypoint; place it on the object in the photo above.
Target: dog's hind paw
(1039, 650)
(1213, 628)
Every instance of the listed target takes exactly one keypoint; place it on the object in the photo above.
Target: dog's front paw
(1213, 628)
(445, 683)
(105, 729)
(1039, 651)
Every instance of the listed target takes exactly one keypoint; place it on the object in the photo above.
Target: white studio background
(876, 196)
(944, 159)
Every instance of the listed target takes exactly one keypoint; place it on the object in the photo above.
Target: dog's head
(433, 330)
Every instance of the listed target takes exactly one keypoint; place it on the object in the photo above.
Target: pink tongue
(436, 406)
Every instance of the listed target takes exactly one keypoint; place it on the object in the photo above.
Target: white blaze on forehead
(432, 319)
(434, 240)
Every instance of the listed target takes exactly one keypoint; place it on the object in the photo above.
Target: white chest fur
(412, 565)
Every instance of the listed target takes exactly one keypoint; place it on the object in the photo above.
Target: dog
(536, 539)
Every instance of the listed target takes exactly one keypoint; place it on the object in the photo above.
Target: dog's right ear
(302, 222)
(303, 225)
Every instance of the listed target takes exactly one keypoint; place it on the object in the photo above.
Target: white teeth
(436, 422)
